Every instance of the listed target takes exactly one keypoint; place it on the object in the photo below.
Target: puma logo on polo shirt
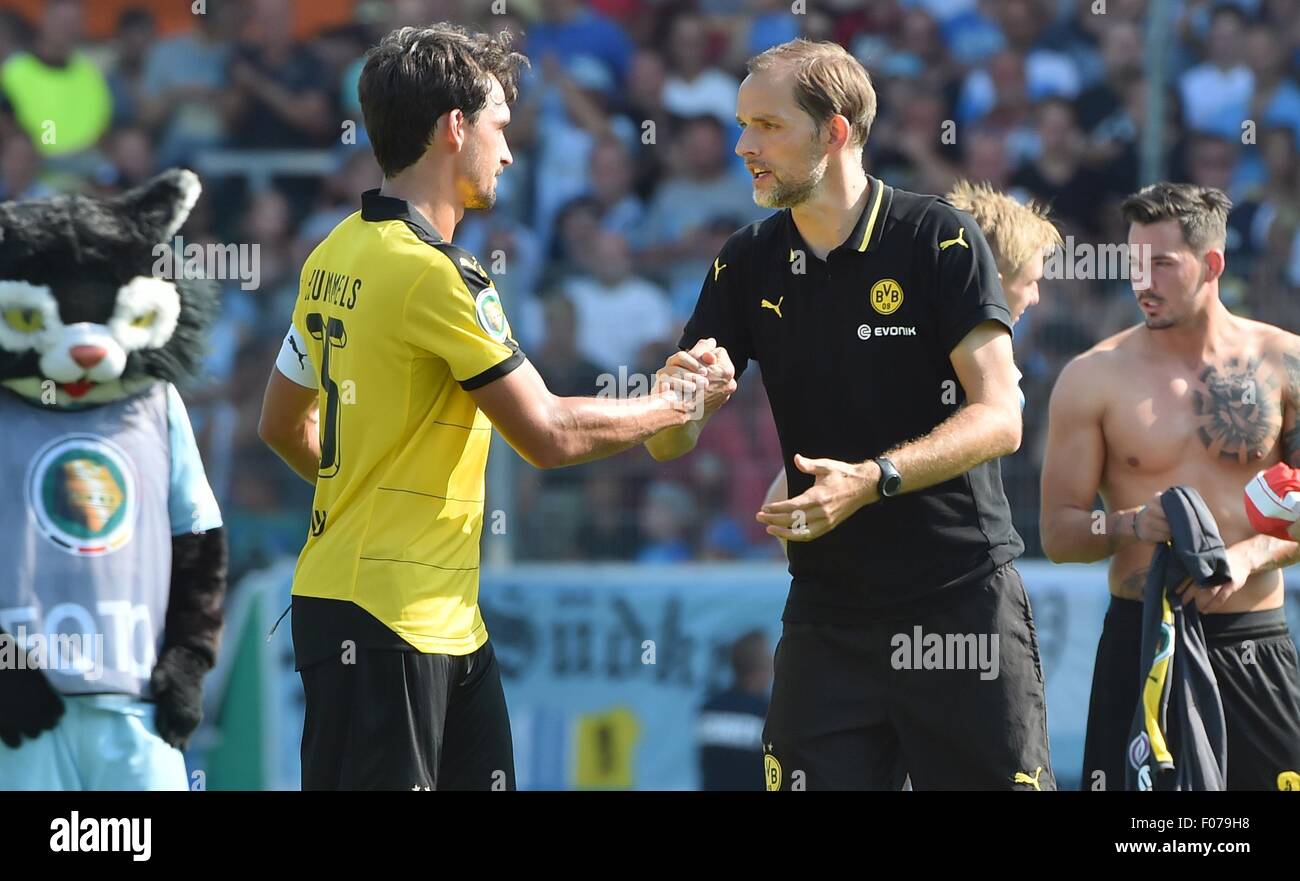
(960, 240)
(775, 307)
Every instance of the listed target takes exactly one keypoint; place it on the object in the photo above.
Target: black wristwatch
(890, 480)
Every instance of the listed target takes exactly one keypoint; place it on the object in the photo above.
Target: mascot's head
(83, 319)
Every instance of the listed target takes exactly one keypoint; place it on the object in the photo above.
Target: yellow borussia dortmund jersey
(399, 326)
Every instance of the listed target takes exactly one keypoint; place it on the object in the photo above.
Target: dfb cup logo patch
(772, 772)
(81, 492)
(491, 317)
(886, 296)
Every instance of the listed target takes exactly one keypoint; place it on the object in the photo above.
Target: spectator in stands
(59, 97)
(20, 166)
(575, 112)
(1264, 234)
(131, 159)
(694, 86)
(184, 79)
(1048, 72)
(729, 730)
(1121, 53)
(1276, 97)
(969, 29)
(568, 28)
(608, 530)
(920, 50)
(621, 210)
(570, 253)
(136, 32)
(702, 186)
(915, 147)
(770, 23)
(1211, 158)
(277, 96)
(268, 223)
(998, 99)
(1217, 93)
(984, 158)
(555, 497)
(1058, 176)
(667, 518)
(722, 535)
(14, 34)
(618, 312)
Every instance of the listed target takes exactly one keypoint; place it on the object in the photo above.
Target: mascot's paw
(177, 686)
(28, 706)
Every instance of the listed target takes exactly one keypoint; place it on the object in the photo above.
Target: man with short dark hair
(401, 352)
(1195, 396)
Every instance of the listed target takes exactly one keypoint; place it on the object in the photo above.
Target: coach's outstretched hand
(839, 490)
(710, 360)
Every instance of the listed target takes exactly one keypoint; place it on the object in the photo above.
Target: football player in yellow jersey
(397, 366)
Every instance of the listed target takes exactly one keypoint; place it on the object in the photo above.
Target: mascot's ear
(162, 204)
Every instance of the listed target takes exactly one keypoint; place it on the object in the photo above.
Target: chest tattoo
(1238, 417)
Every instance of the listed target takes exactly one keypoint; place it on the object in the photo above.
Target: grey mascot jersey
(103, 490)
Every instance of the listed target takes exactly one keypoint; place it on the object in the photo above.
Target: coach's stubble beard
(791, 193)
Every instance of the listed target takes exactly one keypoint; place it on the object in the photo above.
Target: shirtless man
(1193, 395)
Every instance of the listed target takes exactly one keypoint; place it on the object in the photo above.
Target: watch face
(890, 485)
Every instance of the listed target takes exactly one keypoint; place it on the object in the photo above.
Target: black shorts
(407, 720)
(854, 706)
(1254, 661)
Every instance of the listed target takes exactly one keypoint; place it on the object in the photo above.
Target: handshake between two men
(839, 489)
(703, 378)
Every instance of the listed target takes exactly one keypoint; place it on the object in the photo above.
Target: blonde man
(1019, 236)
(861, 304)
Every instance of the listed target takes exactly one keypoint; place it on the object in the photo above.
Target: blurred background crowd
(625, 185)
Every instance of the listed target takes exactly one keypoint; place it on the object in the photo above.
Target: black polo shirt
(854, 353)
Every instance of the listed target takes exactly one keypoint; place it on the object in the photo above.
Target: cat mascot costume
(112, 552)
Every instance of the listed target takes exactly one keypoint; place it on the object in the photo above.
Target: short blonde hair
(827, 81)
(1015, 232)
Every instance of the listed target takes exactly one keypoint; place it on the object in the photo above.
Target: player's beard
(1189, 309)
(480, 183)
(791, 193)
(483, 200)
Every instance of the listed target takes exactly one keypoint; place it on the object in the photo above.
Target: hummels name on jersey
(335, 288)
